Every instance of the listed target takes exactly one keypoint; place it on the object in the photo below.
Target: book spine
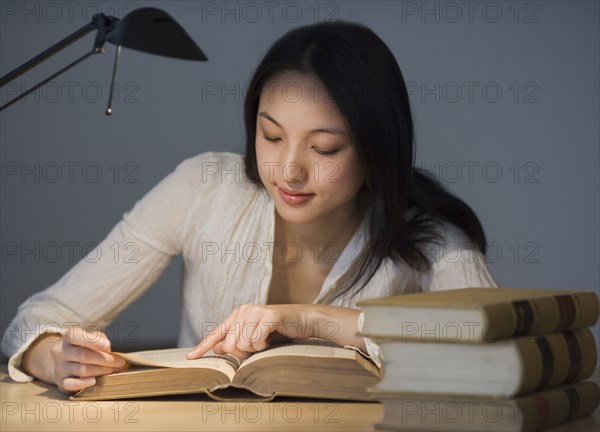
(556, 359)
(552, 407)
(532, 412)
(542, 315)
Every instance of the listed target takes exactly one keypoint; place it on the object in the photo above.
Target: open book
(311, 368)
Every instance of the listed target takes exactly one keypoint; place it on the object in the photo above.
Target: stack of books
(484, 359)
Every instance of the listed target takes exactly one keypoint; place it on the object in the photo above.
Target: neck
(322, 241)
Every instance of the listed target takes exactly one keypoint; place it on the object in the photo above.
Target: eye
(325, 152)
(271, 139)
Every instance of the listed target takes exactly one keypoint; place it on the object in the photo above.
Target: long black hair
(365, 82)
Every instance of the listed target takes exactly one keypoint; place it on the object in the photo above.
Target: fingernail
(191, 354)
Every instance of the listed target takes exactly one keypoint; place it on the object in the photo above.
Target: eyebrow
(329, 130)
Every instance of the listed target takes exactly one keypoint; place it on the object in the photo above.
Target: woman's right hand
(71, 360)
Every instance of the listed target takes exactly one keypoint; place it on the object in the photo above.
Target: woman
(325, 209)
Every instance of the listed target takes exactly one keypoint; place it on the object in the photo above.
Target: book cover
(478, 315)
(502, 369)
(532, 412)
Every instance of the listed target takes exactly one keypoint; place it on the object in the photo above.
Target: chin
(295, 215)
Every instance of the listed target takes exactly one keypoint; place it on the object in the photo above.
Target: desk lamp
(149, 30)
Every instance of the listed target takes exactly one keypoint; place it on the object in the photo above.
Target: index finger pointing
(205, 345)
(214, 337)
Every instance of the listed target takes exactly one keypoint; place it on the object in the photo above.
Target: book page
(306, 348)
(160, 373)
(176, 358)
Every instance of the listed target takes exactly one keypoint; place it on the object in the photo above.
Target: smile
(294, 198)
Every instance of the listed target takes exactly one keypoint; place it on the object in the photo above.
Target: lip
(293, 198)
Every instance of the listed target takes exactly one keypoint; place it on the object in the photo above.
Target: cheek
(260, 152)
(263, 158)
(345, 176)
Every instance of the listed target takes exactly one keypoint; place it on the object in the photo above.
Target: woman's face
(306, 159)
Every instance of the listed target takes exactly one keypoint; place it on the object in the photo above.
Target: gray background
(506, 106)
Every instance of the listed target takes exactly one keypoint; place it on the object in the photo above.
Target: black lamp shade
(154, 31)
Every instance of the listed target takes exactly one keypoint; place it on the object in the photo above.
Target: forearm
(337, 324)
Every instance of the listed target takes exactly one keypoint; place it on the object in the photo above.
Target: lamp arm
(99, 21)
(46, 54)
(66, 68)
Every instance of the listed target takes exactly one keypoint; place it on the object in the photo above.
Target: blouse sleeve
(456, 263)
(116, 272)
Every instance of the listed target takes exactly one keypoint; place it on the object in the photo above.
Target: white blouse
(224, 226)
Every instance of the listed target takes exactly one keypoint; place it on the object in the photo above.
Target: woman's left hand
(252, 328)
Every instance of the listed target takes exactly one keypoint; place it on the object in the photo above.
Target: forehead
(301, 93)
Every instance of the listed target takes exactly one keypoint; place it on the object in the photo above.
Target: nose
(294, 165)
